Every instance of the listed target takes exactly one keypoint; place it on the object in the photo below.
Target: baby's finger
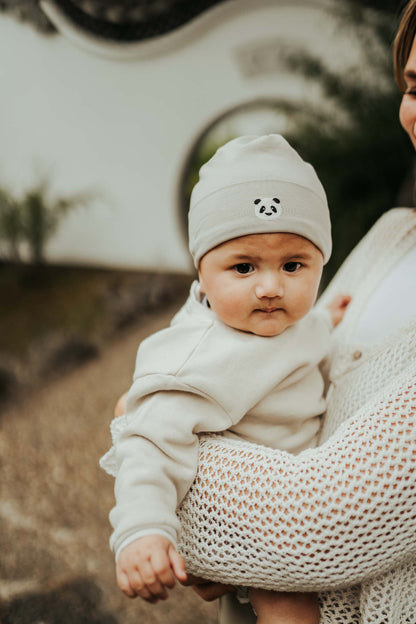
(138, 587)
(146, 595)
(152, 583)
(162, 569)
(124, 585)
(178, 564)
(136, 582)
(123, 581)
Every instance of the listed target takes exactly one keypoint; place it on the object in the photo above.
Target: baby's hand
(148, 566)
(337, 308)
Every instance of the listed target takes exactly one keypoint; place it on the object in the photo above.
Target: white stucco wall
(123, 126)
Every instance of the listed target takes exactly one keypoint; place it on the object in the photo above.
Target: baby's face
(262, 283)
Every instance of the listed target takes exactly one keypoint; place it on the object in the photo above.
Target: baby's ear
(201, 283)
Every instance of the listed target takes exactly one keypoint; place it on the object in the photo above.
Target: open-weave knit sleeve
(331, 516)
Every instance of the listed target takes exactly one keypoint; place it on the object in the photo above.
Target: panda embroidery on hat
(267, 208)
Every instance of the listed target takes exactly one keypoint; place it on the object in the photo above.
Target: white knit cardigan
(341, 516)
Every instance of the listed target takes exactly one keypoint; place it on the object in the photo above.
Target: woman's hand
(337, 308)
(207, 590)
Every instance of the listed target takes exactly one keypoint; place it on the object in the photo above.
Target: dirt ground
(55, 563)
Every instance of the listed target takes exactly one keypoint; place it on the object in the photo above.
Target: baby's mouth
(268, 310)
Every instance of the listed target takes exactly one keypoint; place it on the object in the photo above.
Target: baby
(241, 357)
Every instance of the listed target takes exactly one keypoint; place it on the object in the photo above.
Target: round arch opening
(257, 117)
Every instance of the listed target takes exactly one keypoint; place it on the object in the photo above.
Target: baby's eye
(291, 267)
(243, 268)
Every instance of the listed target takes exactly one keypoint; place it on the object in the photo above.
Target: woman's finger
(212, 591)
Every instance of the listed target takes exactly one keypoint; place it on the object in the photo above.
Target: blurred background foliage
(28, 11)
(366, 162)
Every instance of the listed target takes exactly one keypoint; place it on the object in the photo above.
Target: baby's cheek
(302, 308)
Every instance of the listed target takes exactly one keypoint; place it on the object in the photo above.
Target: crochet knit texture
(342, 515)
(345, 543)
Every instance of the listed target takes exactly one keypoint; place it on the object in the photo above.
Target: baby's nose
(269, 285)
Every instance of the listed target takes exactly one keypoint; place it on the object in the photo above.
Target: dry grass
(56, 566)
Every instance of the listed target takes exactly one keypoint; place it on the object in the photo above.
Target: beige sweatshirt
(199, 375)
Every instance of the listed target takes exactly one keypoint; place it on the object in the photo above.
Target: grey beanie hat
(255, 185)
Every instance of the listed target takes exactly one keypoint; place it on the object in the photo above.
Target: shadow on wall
(76, 602)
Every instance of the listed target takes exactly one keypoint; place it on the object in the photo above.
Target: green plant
(11, 225)
(42, 215)
(34, 218)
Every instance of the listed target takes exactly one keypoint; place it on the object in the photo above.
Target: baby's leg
(284, 607)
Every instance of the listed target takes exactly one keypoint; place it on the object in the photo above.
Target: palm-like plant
(33, 219)
(11, 225)
(42, 214)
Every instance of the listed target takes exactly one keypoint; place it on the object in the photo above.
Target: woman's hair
(403, 42)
